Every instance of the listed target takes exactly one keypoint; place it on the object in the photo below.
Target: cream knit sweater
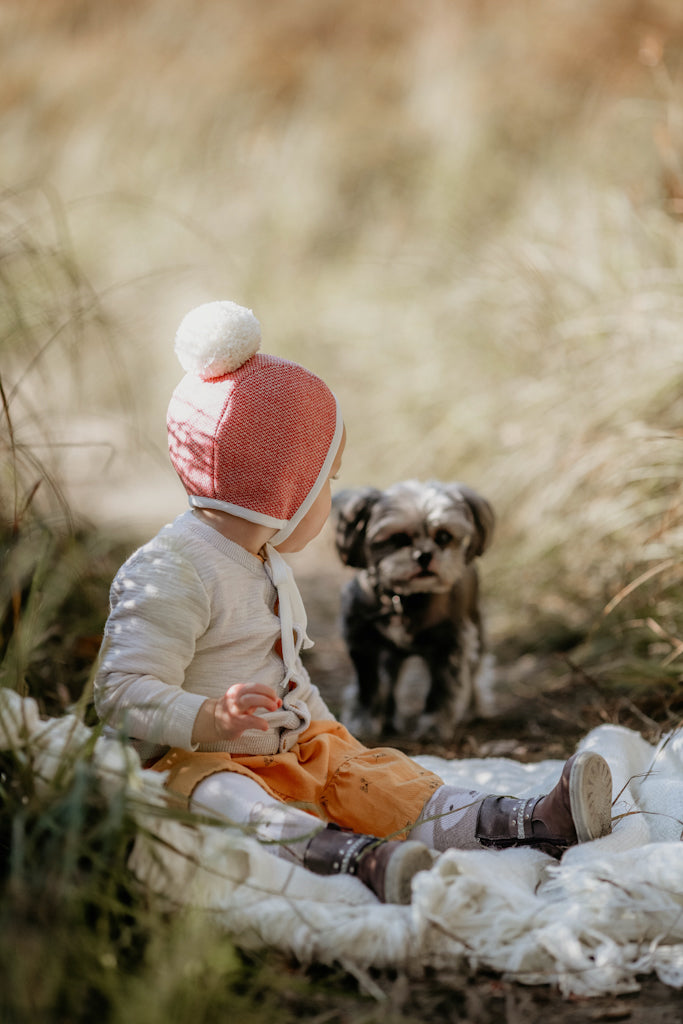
(191, 614)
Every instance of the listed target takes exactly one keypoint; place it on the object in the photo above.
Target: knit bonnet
(248, 433)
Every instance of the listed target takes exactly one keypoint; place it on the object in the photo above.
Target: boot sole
(402, 867)
(590, 796)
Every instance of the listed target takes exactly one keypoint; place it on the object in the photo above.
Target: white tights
(241, 801)
(448, 819)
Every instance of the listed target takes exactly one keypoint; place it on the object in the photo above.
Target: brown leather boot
(386, 866)
(577, 810)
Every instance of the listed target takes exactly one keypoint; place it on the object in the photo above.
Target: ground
(484, 999)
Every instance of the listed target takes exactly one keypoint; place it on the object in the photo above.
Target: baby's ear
(350, 513)
(484, 518)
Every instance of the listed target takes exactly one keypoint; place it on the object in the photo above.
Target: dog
(414, 605)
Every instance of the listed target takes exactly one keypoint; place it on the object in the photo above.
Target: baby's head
(249, 434)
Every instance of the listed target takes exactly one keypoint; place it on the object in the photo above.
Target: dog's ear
(484, 519)
(351, 510)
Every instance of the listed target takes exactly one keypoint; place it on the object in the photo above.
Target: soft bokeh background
(465, 216)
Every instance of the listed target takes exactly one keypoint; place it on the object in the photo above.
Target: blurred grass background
(467, 217)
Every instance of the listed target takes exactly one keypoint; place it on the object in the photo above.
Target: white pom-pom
(217, 338)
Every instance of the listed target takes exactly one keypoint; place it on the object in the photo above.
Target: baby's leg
(241, 801)
(449, 819)
(387, 868)
(576, 810)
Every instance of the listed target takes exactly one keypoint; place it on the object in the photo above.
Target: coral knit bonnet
(248, 433)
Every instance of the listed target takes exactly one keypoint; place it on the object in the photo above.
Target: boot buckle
(524, 826)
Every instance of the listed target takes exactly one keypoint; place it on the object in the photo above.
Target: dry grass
(465, 217)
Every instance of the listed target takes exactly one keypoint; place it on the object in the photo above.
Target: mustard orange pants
(377, 791)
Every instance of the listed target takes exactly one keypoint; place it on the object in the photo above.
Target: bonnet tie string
(291, 608)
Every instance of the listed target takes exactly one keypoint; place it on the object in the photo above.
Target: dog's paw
(486, 696)
(361, 723)
(430, 726)
(437, 726)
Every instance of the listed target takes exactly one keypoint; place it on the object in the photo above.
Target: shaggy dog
(414, 605)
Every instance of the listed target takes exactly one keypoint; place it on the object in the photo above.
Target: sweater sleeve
(158, 610)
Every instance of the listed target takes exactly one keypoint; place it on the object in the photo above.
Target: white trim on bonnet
(315, 490)
(197, 501)
(284, 527)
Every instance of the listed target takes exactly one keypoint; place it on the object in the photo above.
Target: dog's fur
(416, 596)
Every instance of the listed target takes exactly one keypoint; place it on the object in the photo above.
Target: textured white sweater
(191, 614)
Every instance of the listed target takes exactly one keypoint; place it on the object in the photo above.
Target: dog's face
(414, 537)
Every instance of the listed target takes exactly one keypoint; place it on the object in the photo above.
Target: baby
(200, 664)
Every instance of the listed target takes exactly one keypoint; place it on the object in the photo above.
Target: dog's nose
(423, 558)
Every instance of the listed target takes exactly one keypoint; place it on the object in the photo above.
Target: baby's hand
(234, 712)
(227, 717)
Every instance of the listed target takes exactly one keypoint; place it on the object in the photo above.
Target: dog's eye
(394, 540)
(443, 538)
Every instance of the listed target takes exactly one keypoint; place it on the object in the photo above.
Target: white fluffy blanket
(610, 911)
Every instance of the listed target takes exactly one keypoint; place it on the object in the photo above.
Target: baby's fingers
(245, 703)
